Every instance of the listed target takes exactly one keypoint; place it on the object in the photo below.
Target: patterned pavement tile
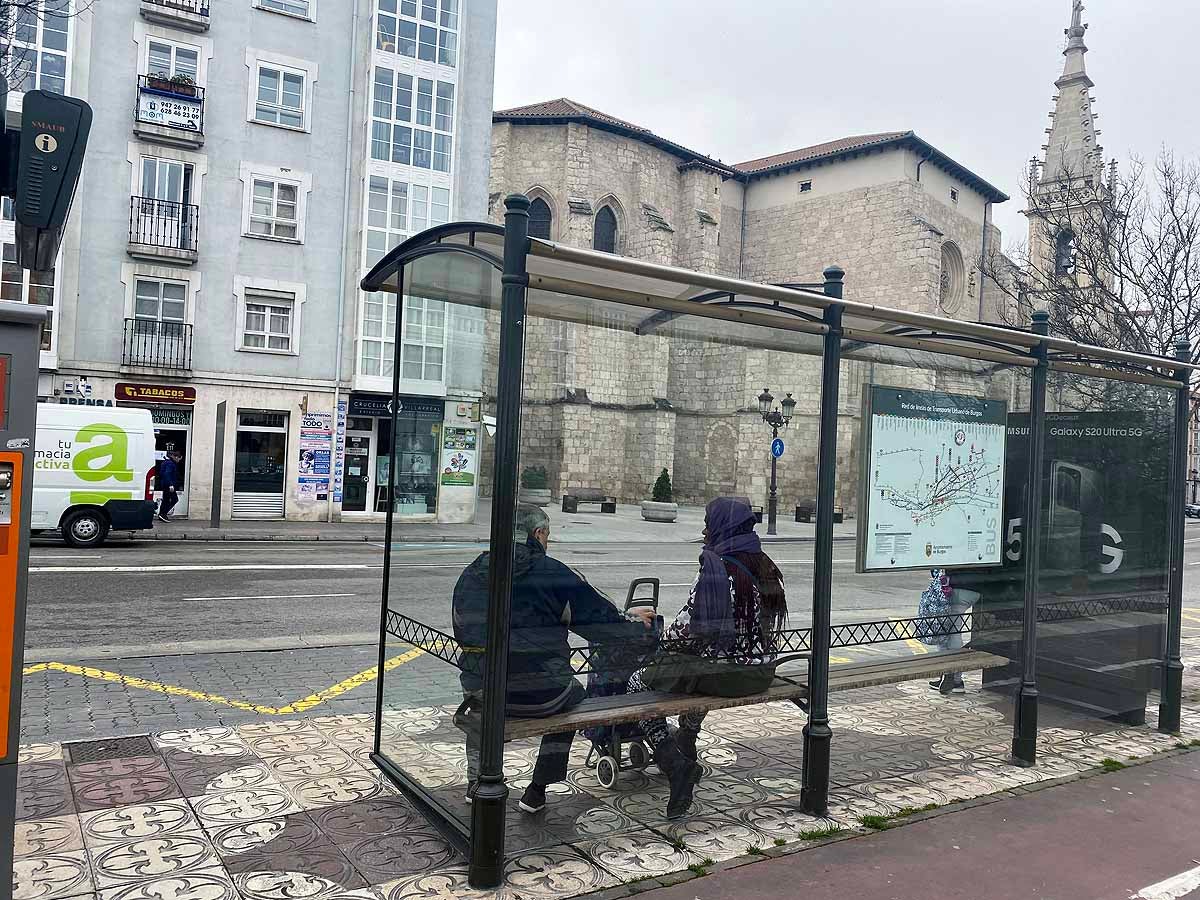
(43, 791)
(306, 740)
(635, 855)
(146, 820)
(216, 741)
(201, 886)
(45, 837)
(334, 790)
(157, 858)
(565, 820)
(393, 855)
(239, 806)
(51, 877)
(446, 884)
(315, 764)
(781, 819)
(554, 873)
(716, 837)
(297, 860)
(122, 782)
(367, 818)
(28, 753)
(199, 775)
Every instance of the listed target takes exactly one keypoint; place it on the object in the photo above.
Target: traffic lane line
(270, 597)
(297, 706)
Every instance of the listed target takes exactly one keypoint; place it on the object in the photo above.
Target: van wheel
(86, 528)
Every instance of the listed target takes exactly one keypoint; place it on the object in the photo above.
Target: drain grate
(110, 748)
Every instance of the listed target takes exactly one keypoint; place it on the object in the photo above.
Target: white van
(93, 471)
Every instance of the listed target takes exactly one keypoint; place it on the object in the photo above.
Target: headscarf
(730, 529)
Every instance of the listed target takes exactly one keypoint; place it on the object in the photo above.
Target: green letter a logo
(106, 460)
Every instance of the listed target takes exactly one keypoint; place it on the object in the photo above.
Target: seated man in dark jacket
(549, 600)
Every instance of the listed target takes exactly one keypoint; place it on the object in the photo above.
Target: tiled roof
(819, 151)
(562, 109)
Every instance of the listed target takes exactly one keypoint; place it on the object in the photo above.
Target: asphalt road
(156, 593)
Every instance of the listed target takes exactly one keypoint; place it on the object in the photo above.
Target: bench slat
(653, 704)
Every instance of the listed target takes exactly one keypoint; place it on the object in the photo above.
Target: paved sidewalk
(1131, 834)
(626, 526)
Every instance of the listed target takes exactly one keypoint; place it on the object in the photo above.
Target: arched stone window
(604, 231)
(1064, 253)
(953, 286)
(540, 219)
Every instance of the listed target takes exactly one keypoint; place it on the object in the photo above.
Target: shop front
(260, 464)
(171, 407)
(432, 444)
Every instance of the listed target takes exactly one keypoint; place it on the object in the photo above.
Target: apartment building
(249, 161)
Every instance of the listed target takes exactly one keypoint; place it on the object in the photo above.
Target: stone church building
(605, 409)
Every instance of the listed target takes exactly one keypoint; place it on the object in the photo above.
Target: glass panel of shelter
(433, 650)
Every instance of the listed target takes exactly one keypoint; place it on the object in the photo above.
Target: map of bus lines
(927, 482)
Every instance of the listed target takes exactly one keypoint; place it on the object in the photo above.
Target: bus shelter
(1064, 485)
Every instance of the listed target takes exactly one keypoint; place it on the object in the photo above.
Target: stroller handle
(632, 601)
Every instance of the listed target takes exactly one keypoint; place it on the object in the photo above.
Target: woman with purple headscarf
(723, 641)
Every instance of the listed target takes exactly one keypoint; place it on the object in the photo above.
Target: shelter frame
(551, 280)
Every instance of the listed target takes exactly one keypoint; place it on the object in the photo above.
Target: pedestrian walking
(169, 482)
(942, 606)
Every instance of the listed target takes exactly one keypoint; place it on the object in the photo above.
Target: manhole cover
(110, 748)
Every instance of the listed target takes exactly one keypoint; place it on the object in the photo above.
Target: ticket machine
(20, 330)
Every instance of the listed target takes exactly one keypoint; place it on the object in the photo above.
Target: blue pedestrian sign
(777, 448)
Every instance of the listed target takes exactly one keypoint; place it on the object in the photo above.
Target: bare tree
(20, 23)
(1116, 260)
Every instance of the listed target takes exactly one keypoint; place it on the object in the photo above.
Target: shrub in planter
(535, 488)
(661, 507)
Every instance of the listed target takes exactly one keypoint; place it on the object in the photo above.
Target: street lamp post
(776, 419)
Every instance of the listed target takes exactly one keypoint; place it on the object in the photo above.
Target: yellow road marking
(297, 706)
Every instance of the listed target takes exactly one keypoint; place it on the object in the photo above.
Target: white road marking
(197, 568)
(271, 597)
(65, 557)
(1172, 888)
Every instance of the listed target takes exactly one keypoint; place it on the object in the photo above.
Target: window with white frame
(280, 96)
(38, 51)
(423, 351)
(387, 216)
(419, 29)
(301, 8)
(274, 208)
(23, 286)
(378, 334)
(420, 135)
(159, 306)
(168, 59)
(267, 324)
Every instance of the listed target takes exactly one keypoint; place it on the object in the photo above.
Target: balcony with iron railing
(191, 15)
(152, 344)
(163, 230)
(169, 110)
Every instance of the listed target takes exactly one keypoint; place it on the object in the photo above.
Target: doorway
(164, 209)
(356, 490)
(260, 465)
(172, 434)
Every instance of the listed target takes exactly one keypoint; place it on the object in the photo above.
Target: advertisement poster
(933, 480)
(458, 456)
(314, 466)
(339, 451)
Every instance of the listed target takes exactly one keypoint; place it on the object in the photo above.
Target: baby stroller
(611, 668)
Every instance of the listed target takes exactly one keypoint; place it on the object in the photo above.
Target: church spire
(1072, 151)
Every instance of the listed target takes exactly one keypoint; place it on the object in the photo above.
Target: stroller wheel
(639, 756)
(606, 771)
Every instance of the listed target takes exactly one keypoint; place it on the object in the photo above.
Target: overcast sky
(739, 79)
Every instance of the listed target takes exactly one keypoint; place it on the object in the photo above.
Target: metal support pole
(214, 519)
(773, 500)
(1171, 693)
(814, 797)
(487, 812)
(1025, 719)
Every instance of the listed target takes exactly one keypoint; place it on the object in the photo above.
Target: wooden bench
(572, 498)
(654, 704)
